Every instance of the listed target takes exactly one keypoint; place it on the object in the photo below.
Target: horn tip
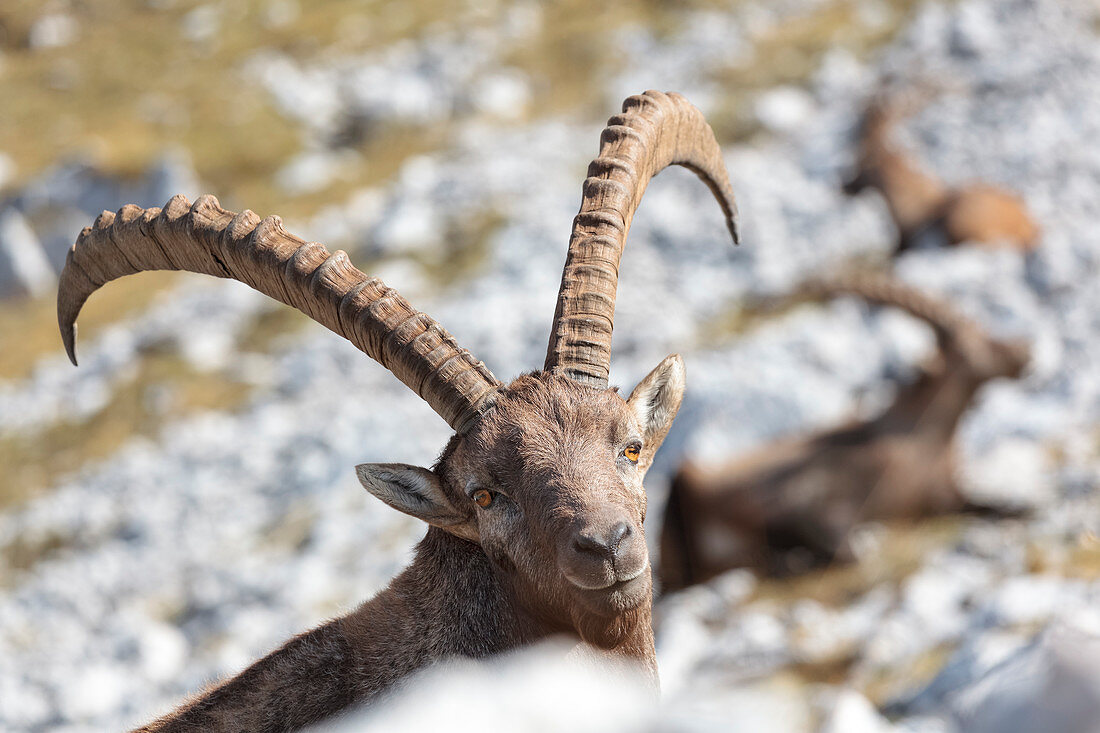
(68, 335)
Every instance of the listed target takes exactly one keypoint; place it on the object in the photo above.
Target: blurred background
(185, 500)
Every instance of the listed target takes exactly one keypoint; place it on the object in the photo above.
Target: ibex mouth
(621, 581)
(623, 593)
(607, 579)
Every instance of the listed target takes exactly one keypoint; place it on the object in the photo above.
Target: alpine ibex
(790, 505)
(921, 203)
(536, 504)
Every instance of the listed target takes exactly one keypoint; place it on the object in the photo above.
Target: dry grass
(469, 244)
(791, 52)
(570, 54)
(885, 688)
(28, 328)
(132, 85)
(742, 316)
(164, 388)
(904, 547)
(1055, 556)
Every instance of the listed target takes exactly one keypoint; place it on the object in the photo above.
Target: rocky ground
(194, 547)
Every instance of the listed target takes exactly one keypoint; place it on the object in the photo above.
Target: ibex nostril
(618, 533)
(587, 542)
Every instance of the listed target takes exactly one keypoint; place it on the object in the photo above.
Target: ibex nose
(602, 543)
(602, 552)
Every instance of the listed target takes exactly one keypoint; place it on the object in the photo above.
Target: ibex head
(989, 358)
(549, 483)
(545, 474)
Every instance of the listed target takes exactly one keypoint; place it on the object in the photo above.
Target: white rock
(7, 165)
(682, 641)
(25, 707)
(851, 712)
(407, 227)
(504, 94)
(734, 586)
(925, 724)
(24, 268)
(540, 689)
(1052, 685)
(313, 170)
(280, 13)
(202, 24)
(784, 109)
(171, 173)
(974, 31)
(52, 31)
(1015, 472)
(1033, 598)
(94, 690)
(978, 654)
(163, 652)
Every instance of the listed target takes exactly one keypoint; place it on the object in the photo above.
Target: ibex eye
(632, 452)
(483, 498)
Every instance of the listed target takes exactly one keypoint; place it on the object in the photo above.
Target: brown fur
(919, 202)
(485, 580)
(790, 506)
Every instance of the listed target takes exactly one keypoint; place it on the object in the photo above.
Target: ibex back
(535, 506)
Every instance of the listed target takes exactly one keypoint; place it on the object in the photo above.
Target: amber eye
(483, 498)
(632, 452)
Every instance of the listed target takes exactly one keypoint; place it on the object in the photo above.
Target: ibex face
(549, 483)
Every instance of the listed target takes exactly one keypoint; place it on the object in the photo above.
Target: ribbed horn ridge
(654, 131)
(206, 238)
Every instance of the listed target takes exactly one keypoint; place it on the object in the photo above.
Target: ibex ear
(417, 492)
(655, 402)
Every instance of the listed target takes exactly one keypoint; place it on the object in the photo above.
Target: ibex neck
(449, 603)
(933, 405)
(915, 198)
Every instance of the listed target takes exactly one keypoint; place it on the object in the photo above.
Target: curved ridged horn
(955, 332)
(885, 290)
(654, 131)
(206, 238)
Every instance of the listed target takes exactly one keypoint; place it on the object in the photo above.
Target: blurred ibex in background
(535, 506)
(920, 203)
(790, 505)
